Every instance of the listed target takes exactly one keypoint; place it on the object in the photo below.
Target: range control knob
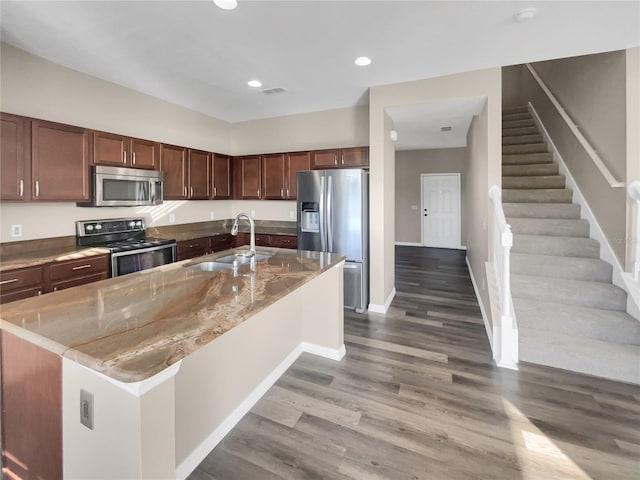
(89, 228)
(132, 224)
(139, 223)
(98, 226)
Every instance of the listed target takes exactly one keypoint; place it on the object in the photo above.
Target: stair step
(534, 181)
(518, 123)
(541, 210)
(509, 132)
(518, 109)
(539, 195)
(593, 357)
(522, 139)
(533, 170)
(525, 148)
(560, 246)
(582, 322)
(554, 227)
(527, 158)
(569, 292)
(508, 117)
(570, 268)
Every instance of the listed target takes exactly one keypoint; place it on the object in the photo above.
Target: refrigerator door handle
(329, 217)
(323, 237)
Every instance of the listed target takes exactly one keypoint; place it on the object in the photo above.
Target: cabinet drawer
(82, 267)
(284, 241)
(74, 282)
(20, 294)
(192, 248)
(221, 242)
(20, 279)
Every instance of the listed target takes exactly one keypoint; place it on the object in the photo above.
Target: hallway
(418, 397)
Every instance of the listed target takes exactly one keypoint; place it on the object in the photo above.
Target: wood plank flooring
(418, 397)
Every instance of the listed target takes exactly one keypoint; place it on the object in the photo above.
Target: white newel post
(634, 193)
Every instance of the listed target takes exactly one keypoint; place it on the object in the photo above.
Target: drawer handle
(21, 188)
(13, 280)
(37, 188)
(82, 267)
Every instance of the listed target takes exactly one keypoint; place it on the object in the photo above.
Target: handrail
(634, 193)
(611, 180)
(503, 241)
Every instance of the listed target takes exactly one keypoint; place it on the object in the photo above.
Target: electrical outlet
(212, 215)
(86, 409)
(16, 230)
(172, 218)
(292, 214)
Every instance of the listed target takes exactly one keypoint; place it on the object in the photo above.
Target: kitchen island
(174, 356)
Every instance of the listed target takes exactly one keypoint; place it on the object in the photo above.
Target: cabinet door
(355, 157)
(296, 162)
(59, 162)
(173, 163)
(145, 154)
(14, 183)
(250, 177)
(199, 175)
(110, 149)
(325, 158)
(221, 176)
(273, 176)
(192, 248)
(222, 242)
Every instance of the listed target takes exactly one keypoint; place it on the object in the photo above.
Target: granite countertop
(219, 227)
(132, 327)
(28, 258)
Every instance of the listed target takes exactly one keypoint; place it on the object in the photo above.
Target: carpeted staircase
(569, 313)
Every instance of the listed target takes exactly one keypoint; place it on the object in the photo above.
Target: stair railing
(507, 352)
(634, 193)
(606, 173)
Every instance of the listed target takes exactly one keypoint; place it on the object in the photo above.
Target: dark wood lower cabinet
(193, 248)
(31, 410)
(262, 240)
(220, 243)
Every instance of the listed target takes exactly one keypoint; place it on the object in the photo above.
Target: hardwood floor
(418, 397)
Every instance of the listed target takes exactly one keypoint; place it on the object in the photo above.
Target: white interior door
(441, 210)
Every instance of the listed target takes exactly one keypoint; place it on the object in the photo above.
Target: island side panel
(31, 410)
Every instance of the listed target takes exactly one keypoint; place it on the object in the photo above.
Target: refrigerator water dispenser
(310, 217)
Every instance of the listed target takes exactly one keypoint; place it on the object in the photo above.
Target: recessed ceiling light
(226, 4)
(525, 15)
(254, 83)
(362, 61)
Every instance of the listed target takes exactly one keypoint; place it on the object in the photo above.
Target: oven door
(135, 260)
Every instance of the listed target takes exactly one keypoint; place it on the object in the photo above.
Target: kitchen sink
(227, 262)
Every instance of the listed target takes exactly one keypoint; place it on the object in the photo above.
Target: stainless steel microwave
(125, 187)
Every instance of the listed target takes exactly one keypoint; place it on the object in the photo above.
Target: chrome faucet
(252, 242)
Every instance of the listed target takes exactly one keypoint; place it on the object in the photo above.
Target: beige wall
(511, 86)
(592, 91)
(633, 145)
(410, 164)
(35, 87)
(478, 83)
(344, 127)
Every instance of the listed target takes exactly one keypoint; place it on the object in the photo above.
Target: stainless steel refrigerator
(333, 216)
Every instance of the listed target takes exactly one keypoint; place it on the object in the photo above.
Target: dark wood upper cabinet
(14, 167)
(296, 162)
(173, 163)
(222, 173)
(273, 176)
(199, 175)
(355, 157)
(325, 159)
(145, 154)
(120, 151)
(249, 177)
(59, 162)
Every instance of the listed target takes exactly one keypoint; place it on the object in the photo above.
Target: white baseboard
(375, 308)
(409, 244)
(201, 451)
(595, 231)
(485, 319)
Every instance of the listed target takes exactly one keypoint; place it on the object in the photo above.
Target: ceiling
(419, 126)
(194, 54)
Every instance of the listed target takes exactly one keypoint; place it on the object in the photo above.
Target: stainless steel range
(131, 250)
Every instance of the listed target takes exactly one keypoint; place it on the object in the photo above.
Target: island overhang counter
(173, 357)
